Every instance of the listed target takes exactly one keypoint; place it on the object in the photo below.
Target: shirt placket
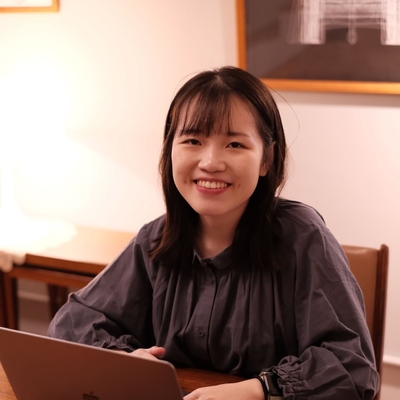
(197, 332)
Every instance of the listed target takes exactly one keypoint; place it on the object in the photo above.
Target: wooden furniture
(72, 264)
(189, 380)
(2, 301)
(370, 268)
(6, 393)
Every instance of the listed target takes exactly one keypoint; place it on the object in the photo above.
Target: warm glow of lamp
(33, 106)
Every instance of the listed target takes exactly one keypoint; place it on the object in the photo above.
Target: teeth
(212, 185)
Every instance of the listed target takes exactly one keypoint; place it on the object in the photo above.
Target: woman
(232, 278)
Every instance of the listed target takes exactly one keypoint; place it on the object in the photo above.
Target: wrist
(270, 386)
(252, 389)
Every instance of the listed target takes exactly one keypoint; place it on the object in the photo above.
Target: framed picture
(28, 5)
(321, 45)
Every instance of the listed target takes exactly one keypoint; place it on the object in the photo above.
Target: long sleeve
(114, 310)
(335, 353)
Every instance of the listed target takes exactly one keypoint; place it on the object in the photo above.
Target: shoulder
(149, 233)
(301, 231)
(297, 218)
(305, 239)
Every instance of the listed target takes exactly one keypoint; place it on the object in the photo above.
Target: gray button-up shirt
(305, 320)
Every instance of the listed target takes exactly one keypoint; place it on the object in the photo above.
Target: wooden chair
(370, 268)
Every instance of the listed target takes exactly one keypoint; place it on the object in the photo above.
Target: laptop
(43, 368)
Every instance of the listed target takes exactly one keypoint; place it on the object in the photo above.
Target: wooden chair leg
(3, 313)
(11, 302)
(58, 296)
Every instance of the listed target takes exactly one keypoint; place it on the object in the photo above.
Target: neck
(213, 236)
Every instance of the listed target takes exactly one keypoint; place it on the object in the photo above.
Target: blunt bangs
(204, 110)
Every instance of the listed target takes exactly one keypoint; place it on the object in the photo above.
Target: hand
(246, 390)
(154, 352)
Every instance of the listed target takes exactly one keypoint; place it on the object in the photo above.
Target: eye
(235, 145)
(193, 142)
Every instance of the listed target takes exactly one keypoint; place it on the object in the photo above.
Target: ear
(264, 168)
(267, 160)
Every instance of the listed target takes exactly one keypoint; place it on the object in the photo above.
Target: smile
(211, 185)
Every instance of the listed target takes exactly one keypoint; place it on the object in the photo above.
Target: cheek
(174, 160)
(178, 166)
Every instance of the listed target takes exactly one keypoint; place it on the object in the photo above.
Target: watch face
(271, 381)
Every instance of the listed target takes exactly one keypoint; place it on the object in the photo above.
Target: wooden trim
(333, 86)
(50, 263)
(53, 8)
(241, 33)
(380, 304)
(64, 279)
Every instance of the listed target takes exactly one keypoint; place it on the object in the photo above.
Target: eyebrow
(233, 134)
(198, 132)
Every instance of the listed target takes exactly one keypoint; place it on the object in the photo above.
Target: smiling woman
(233, 278)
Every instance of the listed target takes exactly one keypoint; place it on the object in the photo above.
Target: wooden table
(189, 380)
(6, 393)
(71, 264)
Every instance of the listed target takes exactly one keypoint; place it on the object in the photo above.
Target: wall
(111, 69)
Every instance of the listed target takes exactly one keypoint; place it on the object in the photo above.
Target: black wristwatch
(269, 382)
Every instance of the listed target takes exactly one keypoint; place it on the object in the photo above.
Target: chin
(212, 213)
(206, 212)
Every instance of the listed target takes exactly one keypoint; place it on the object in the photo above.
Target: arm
(335, 355)
(250, 389)
(114, 310)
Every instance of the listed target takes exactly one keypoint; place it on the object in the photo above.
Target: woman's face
(217, 174)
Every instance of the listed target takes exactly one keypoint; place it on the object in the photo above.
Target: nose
(212, 159)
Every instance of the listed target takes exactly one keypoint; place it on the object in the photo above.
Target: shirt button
(201, 333)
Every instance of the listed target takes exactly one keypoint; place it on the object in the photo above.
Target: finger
(156, 351)
(143, 353)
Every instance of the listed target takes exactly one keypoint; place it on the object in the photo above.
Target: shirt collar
(220, 261)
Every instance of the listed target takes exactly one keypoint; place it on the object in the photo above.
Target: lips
(212, 184)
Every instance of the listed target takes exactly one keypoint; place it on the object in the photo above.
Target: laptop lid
(43, 368)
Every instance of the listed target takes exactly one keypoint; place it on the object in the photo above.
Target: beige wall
(112, 67)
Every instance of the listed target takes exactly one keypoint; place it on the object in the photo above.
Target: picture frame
(268, 47)
(29, 5)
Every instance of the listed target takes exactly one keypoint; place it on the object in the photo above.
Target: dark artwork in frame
(340, 41)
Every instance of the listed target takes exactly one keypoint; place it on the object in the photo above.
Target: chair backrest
(370, 268)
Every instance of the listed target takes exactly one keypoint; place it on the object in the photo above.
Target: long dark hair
(211, 92)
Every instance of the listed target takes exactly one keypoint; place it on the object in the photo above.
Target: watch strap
(269, 383)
